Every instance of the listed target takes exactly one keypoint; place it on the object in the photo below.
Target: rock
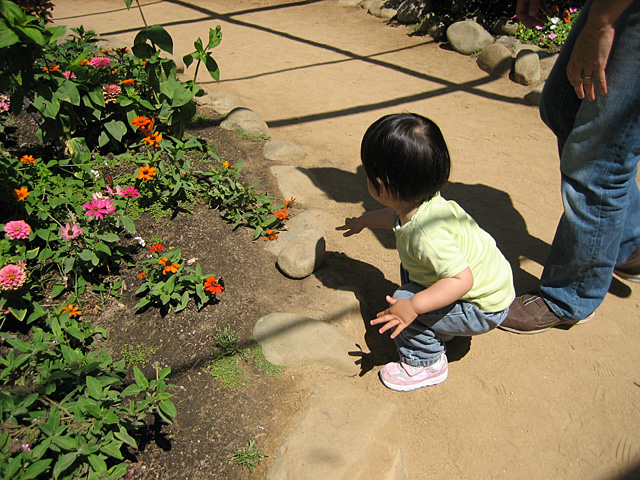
(282, 151)
(302, 254)
(245, 120)
(345, 434)
(511, 43)
(410, 11)
(467, 37)
(365, 4)
(378, 9)
(350, 3)
(526, 69)
(533, 97)
(298, 183)
(437, 30)
(504, 26)
(291, 339)
(218, 103)
(496, 60)
(344, 312)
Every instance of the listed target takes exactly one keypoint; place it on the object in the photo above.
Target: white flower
(552, 27)
(140, 241)
(95, 173)
(555, 20)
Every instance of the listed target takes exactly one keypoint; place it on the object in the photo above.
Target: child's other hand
(400, 315)
(352, 226)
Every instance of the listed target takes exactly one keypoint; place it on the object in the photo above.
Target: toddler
(455, 281)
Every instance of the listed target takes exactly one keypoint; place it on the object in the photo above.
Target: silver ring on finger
(586, 78)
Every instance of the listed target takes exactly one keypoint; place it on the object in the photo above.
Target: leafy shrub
(554, 33)
(39, 8)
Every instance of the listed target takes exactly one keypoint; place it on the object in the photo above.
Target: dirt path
(564, 404)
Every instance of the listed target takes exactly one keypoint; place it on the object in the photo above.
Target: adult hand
(588, 60)
(400, 315)
(532, 13)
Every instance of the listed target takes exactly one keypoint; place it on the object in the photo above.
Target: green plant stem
(142, 15)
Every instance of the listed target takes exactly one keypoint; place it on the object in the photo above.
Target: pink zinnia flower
(12, 277)
(100, 62)
(68, 232)
(99, 208)
(69, 75)
(17, 229)
(127, 191)
(111, 92)
(4, 103)
(552, 36)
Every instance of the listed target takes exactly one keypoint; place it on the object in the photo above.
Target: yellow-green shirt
(441, 240)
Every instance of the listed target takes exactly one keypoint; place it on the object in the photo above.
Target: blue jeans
(419, 344)
(599, 146)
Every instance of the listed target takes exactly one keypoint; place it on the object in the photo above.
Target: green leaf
(69, 262)
(7, 37)
(65, 442)
(168, 408)
(94, 387)
(36, 469)
(86, 255)
(127, 4)
(125, 437)
(132, 389)
(108, 237)
(112, 449)
(215, 37)
(160, 37)
(97, 463)
(19, 313)
(116, 129)
(63, 463)
(57, 289)
(141, 380)
(128, 224)
(68, 92)
(212, 68)
(33, 253)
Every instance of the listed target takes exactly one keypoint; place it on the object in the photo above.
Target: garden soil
(563, 404)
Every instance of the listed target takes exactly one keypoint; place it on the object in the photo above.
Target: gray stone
(410, 11)
(504, 26)
(365, 4)
(437, 30)
(302, 254)
(245, 120)
(344, 312)
(496, 60)
(378, 9)
(300, 221)
(511, 43)
(345, 434)
(350, 3)
(533, 97)
(526, 69)
(282, 151)
(218, 103)
(291, 339)
(467, 37)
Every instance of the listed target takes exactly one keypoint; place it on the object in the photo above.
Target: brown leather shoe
(630, 270)
(530, 314)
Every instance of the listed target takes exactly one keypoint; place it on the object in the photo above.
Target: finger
(589, 89)
(398, 329)
(602, 82)
(391, 300)
(389, 325)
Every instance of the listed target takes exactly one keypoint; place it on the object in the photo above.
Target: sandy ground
(563, 404)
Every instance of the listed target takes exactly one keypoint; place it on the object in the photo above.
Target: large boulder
(246, 121)
(467, 37)
(527, 67)
(496, 60)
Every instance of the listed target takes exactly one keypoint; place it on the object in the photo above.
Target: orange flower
(212, 285)
(142, 275)
(55, 68)
(106, 51)
(169, 266)
(281, 214)
(148, 129)
(122, 50)
(156, 248)
(84, 62)
(140, 122)
(28, 159)
(128, 81)
(21, 193)
(226, 164)
(146, 173)
(288, 203)
(153, 139)
(72, 310)
(271, 235)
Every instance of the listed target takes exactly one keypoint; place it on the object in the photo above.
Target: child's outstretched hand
(352, 225)
(400, 315)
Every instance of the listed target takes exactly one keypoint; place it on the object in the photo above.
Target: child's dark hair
(408, 154)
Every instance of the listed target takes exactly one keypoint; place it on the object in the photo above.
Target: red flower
(212, 285)
(156, 248)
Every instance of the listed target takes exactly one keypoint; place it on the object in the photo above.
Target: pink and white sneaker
(404, 378)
